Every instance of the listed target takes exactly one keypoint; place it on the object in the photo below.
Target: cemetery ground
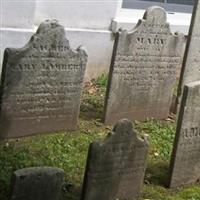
(69, 151)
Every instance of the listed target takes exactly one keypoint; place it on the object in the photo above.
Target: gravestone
(41, 84)
(143, 70)
(185, 160)
(116, 167)
(191, 62)
(37, 183)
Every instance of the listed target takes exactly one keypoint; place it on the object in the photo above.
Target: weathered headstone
(116, 167)
(185, 160)
(41, 84)
(37, 183)
(143, 70)
(191, 62)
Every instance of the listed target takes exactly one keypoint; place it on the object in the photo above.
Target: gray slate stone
(144, 70)
(41, 84)
(191, 62)
(116, 167)
(185, 161)
(37, 183)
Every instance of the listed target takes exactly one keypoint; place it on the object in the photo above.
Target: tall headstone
(116, 167)
(143, 70)
(41, 84)
(191, 62)
(185, 160)
(38, 183)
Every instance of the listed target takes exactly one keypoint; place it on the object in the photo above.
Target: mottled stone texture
(39, 183)
(143, 70)
(191, 63)
(185, 161)
(41, 84)
(116, 167)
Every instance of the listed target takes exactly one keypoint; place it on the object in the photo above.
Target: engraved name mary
(41, 84)
(143, 70)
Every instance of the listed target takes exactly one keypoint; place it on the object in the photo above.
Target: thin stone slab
(41, 84)
(191, 62)
(144, 69)
(38, 183)
(116, 167)
(185, 160)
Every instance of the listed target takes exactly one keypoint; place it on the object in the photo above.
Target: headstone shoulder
(41, 84)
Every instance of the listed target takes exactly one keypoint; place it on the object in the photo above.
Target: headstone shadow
(92, 104)
(157, 173)
(71, 192)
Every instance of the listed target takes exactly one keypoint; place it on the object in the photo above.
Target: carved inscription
(115, 168)
(144, 70)
(185, 164)
(42, 84)
(191, 133)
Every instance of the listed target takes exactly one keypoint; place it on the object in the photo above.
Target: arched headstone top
(123, 131)
(154, 21)
(49, 24)
(50, 36)
(124, 125)
(155, 14)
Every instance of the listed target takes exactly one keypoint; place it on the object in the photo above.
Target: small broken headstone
(144, 70)
(37, 183)
(116, 167)
(41, 84)
(185, 160)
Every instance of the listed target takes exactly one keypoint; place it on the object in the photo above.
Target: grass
(68, 150)
(101, 81)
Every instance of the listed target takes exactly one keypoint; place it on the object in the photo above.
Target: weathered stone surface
(41, 183)
(41, 84)
(116, 167)
(143, 70)
(185, 161)
(191, 62)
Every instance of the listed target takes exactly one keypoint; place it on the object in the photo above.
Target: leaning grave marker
(185, 159)
(191, 62)
(116, 167)
(41, 84)
(37, 183)
(144, 69)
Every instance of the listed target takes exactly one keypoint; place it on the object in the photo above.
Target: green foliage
(157, 173)
(192, 193)
(92, 102)
(101, 80)
(152, 192)
(64, 150)
(161, 136)
(69, 151)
